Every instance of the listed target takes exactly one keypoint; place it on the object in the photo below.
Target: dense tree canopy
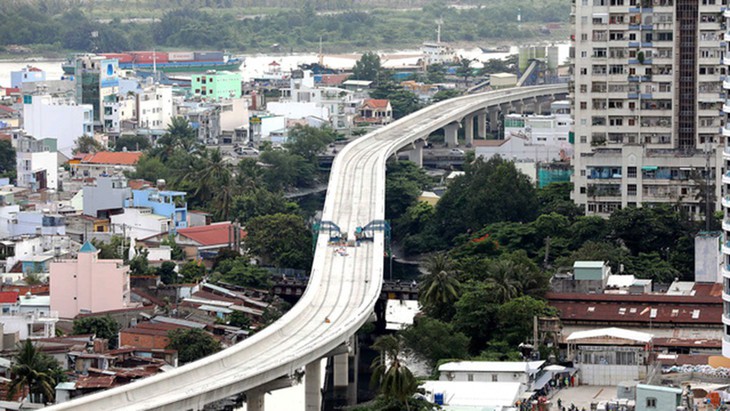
(192, 344)
(282, 240)
(103, 327)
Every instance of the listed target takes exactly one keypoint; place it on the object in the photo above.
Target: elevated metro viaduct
(343, 289)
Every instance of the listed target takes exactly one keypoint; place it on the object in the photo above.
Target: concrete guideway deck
(342, 291)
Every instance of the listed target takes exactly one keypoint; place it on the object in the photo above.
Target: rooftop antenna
(321, 56)
(439, 22)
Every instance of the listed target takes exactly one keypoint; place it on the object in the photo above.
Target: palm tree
(212, 179)
(394, 378)
(34, 373)
(439, 285)
(502, 275)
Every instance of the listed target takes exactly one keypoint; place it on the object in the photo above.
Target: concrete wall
(655, 398)
(46, 118)
(708, 258)
(88, 284)
(609, 374)
(139, 223)
(109, 193)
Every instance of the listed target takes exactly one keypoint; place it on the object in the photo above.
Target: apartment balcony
(726, 132)
(725, 60)
(726, 178)
(726, 83)
(725, 201)
(726, 227)
(725, 271)
(726, 321)
(726, 14)
(726, 106)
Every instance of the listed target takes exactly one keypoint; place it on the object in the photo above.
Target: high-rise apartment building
(648, 100)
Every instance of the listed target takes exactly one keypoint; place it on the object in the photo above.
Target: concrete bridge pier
(255, 399)
(518, 106)
(451, 134)
(312, 386)
(494, 118)
(482, 124)
(416, 153)
(469, 129)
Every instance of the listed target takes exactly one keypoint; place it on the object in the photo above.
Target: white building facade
(62, 119)
(646, 95)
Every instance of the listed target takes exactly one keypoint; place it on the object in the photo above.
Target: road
(343, 289)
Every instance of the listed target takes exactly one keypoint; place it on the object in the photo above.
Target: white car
(246, 151)
(456, 151)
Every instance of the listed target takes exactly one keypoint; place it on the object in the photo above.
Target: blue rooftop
(87, 248)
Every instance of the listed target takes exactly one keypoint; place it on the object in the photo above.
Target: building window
(583, 105)
(470, 377)
(631, 172)
(495, 378)
(583, 139)
(651, 402)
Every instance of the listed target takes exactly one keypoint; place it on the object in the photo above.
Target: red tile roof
(376, 103)
(138, 184)
(95, 382)
(8, 297)
(333, 79)
(7, 109)
(126, 158)
(207, 235)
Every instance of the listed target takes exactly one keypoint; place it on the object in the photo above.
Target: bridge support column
(341, 371)
(255, 400)
(313, 386)
(416, 153)
(354, 370)
(494, 119)
(482, 124)
(451, 136)
(469, 130)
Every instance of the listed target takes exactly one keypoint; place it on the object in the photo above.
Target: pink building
(88, 285)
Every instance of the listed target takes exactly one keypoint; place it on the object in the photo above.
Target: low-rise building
(216, 85)
(88, 284)
(653, 397)
(609, 356)
(202, 241)
(48, 117)
(375, 111)
(105, 163)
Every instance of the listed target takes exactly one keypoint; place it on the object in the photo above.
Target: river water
(259, 63)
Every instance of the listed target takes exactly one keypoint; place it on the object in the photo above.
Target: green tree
(34, 374)
(180, 135)
(494, 185)
(239, 319)
(192, 344)
(555, 198)
(7, 160)
(286, 170)
(111, 250)
(167, 273)
(395, 380)
(211, 181)
(193, 271)
(404, 182)
(132, 143)
(442, 95)
(439, 287)
(140, 265)
(433, 340)
(103, 327)
(308, 141)
(476, 314)
(464, 70)
(282, 240)
(597, 251)
(367, 68)
(258, 202)
(516, 318)
(502, 276)
(150, 168)
(239, 271)
(87, 144)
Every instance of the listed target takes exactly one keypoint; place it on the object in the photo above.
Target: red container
(122, 57)
(148, 57)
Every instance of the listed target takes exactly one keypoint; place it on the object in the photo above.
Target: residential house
(27, 74)
(375, 111)
(216, 85)
(202, 241)
(88, 284)
(29, 316)
(36, 169)
(105, 163)
(151, 211)
(103, 197)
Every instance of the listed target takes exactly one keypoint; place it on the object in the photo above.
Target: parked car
(456, 151)
(246, 151)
